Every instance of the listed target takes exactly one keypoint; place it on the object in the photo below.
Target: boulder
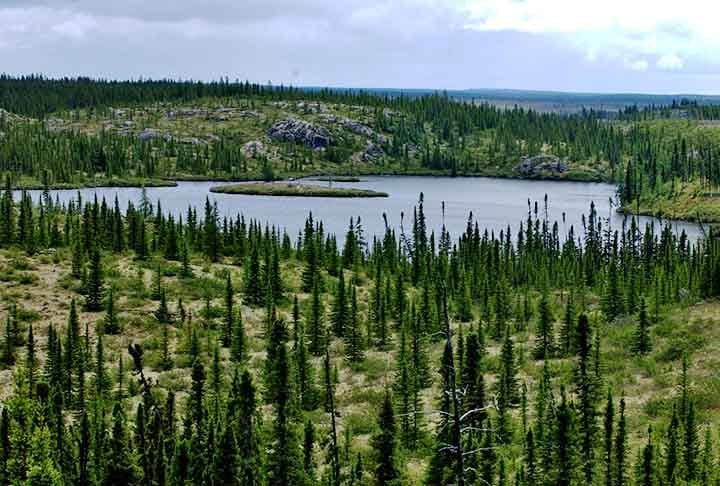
(357, 127)
(539, 164)
(300, 131)
(253, 149)
(373, 152)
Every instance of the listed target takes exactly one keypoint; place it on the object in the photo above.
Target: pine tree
(243, 413)
(30, 361)
(330, 408)
(229, 323)
(691, 444)
(621, 476)
(166, 362)
(120, 470)
(8, 355)
(643, 344)
(237, 341)
(544, 339)
(284, 462)
(162, 314)
(111, 325)
(253, 283)
(608, 423)
(565, 440)
(567, 331)
(94, 297)
(5, 445)
(585, 390)
(647, 463)
(197, 393)
(508, 391)
(353, 334)
(316, 324)
(384, 445)
(672, 451)
(305, 376)
(339, 316)
(308, 450)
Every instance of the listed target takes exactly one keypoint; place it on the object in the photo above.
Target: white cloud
(670, 62)
(640, 65)
(611, 29)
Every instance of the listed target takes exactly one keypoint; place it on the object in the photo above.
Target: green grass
(294, 190)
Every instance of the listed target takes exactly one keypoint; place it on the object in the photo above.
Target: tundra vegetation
(141, 347)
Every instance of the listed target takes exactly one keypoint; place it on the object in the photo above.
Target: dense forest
(270, 327)
(74, 132)
(141, 347)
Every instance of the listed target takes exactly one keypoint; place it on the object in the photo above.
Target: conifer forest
(143, 347)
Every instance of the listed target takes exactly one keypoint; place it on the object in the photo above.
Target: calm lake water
(494, 203)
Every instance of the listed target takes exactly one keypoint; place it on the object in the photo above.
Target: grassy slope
(43, 288)
(244, 121)
(693, 200)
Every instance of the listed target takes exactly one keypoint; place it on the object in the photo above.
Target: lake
(495, 203)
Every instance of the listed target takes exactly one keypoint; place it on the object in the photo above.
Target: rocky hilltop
(300, 131)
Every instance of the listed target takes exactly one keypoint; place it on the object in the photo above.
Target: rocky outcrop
(540, 164)
(372, 152)
(253, 149)
(357, 127)
(299, 131)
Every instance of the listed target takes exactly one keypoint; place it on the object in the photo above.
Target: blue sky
(610, 46)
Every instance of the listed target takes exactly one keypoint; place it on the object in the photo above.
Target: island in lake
(285, 189)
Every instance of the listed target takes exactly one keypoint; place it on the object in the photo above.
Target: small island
(338, 179)
(297, 190)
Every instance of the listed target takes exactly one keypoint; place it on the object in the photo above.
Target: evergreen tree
(339, 316)
(94, 288)
(621, 476)
(643, 344)
(353, 335)
(237, 340)
(229, 323)
(544, 339)
(111, 324)
(284, 462)
(316, 324)
(120, 470)
(384, 445)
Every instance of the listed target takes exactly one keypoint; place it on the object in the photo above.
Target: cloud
(670, 62)
(640, 65)
(612, 28)
(530, 44)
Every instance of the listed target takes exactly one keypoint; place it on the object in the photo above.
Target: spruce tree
(339, 316)
(544, 339)
(284, 462)
(621, 475)
(643, 344)
(384, 445)
(316, 324)
(111, 325)
(229, 322)
(94, 288)
(237, 340)
(354, 351)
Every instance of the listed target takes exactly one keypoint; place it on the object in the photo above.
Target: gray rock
(533, 166)
(373, 152)
(253, 149)
(357, 127)
(300, 131)
(149, 134)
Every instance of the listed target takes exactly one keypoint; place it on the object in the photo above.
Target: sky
(643, 46)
